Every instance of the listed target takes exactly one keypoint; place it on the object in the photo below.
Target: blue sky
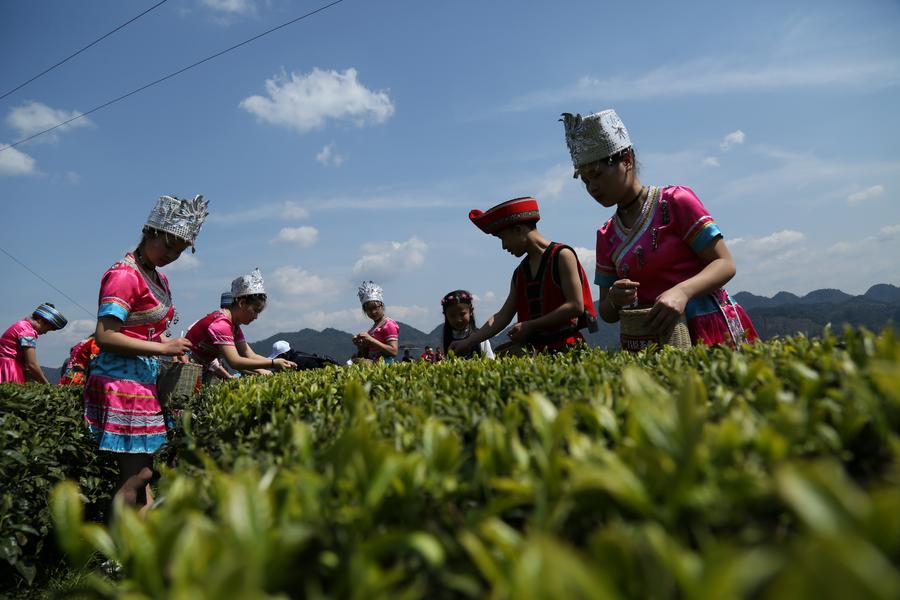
(352, 145)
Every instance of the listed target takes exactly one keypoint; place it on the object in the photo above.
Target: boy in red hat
(549, 292)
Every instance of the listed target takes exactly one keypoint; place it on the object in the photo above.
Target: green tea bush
(43, 442)
(773, 471)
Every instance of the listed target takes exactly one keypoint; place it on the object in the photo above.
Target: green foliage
(43, 442)
(769, 472)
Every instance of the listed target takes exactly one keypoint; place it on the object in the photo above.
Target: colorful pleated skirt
(717, 319)
(121, 405)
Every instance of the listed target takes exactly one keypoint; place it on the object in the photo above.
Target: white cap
(595, 136)
(279, 347)
(369, 291)
(179, 216)
(247, 285)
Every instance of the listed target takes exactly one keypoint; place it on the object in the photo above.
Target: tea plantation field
(768, 472)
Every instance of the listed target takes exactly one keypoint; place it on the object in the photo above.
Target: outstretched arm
(242, 358)
(494, 325)
(718, 271)
(33, 366)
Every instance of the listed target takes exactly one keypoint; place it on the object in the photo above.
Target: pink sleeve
(118, 290)
(691, 219)
(220, 333)
(391, 331)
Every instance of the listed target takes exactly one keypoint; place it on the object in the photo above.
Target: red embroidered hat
(505, 214)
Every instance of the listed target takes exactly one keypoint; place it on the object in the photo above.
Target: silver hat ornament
(370, 291)
(249, 284)
(179, 216)
(595, 136)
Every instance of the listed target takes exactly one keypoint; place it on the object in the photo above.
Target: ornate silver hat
(179, 216)
(595, 136)
(246, 285)
(369, 291)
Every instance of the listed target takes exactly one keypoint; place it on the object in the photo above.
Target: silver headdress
(369, 291)
(595, 136)
(246, 285)
(179, 216)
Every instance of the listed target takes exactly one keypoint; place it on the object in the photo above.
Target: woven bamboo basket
(177, 381)
(635, 335)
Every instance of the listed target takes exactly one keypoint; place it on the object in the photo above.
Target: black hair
(250, 299)
(530, 225)
(148, 232)
(619, 156)
(363, 306)
(447, 334)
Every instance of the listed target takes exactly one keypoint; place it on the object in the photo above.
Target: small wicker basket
(635, 335)
(177, 381)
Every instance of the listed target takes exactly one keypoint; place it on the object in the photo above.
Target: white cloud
(408, 314)
(74, 331)
(588, 258)
(285, 211)
(15, 162)
(351, 320)
(297, 281)
(867, 194)
(768, 244)
(490, 296)
(232, 7)
(294, 315)
(889, 231)
(732, 139)
(305, 102)
(329, 156)
(554, 181)
(710, 161)
(853, 265)
(718, 76)
(793, 175)
(186, 262)
(302, 236)
(34, 117)
(385, 259)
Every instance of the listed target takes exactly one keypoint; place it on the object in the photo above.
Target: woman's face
(163, 249)
(374, 310)
(459, 316)
(247, 312)
(607, 184)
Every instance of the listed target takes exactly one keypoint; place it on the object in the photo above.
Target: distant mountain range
(787, 314)
(782, 314)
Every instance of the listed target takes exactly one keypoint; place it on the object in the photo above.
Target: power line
(24, 266)
(66, 59)
(169, 76)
